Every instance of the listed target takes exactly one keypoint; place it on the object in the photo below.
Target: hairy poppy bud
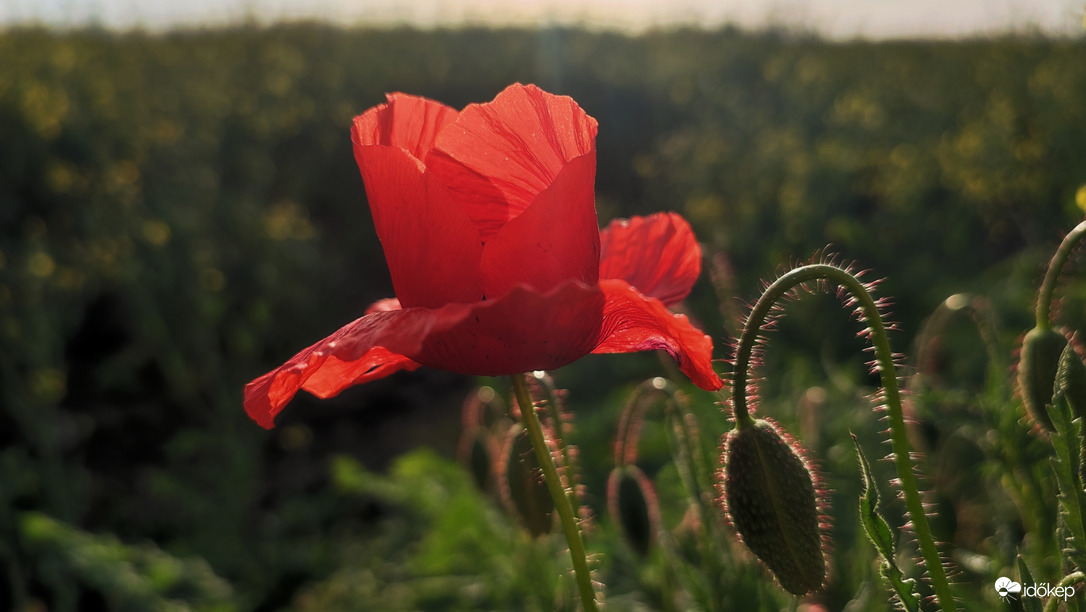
(633, 506)
(769, 494)
(523, 489)
(1037, 367)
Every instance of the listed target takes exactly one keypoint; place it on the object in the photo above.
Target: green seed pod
(1037, 365)
(769, 494)
(523, 489)
(633, 507)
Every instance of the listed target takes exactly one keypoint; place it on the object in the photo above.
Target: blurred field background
(180, 212)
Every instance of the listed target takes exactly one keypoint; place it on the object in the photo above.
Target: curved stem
(1055, 267)
(558, 493)
(884, 364)
(1053, 602)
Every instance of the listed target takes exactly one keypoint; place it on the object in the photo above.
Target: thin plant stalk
(884, 360)
(1054, 602)
(1052, 275)
(558, 494)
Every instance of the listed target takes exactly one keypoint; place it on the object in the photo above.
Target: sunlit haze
(832, 18)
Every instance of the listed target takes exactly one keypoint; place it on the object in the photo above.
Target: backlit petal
(658, 255)
(633, 322)
(556, 239)
(497, 157)
(384, 305)
(408, 122)
(432, 247)
(519, 332)
(366, 349)
(522, 331)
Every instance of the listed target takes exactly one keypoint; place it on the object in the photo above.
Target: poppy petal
(408, 122)
(384, 305)
(432, 247)
(497, 157)
(633, 322)
(556, 239)
(366, 349)
(658, 255)
(522, 331)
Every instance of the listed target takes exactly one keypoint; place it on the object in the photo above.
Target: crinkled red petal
(658, 255)
(523, 330)
(633, 322)
(432, 247)
(555, 240)
(497, 157)
(408, 122)
(366, 349)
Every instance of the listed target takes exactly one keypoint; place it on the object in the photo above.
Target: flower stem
(1055, 267)
(892, 397)
(558, 493)
(1054, 602)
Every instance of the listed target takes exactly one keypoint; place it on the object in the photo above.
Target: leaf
(129, 577)
(878, 531)
(1065, 464)
(1029, 604)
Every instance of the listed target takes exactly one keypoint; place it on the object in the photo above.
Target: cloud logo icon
(1007, 588)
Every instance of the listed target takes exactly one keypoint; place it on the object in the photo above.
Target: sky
(875, 19)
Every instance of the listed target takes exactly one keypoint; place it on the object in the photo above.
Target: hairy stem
(884, 365)
(558, 494)
(1054, 602)
(1055, 267)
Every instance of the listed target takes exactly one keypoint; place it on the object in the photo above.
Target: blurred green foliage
(181, 212)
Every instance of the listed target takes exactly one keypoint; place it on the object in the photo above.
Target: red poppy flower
(488, 222)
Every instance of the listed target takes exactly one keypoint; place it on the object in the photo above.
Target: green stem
(1053, 602)
(1055, 267)
(556, 417)
(887, 371)
(558, 493)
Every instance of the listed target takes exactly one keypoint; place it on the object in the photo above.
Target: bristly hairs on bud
(1041, 346)
(826, 273)
(772, 496)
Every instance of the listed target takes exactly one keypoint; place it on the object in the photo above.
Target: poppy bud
(633, 506)
(523, 489)
(477, 453)
(1037, 365)
(769, 494)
